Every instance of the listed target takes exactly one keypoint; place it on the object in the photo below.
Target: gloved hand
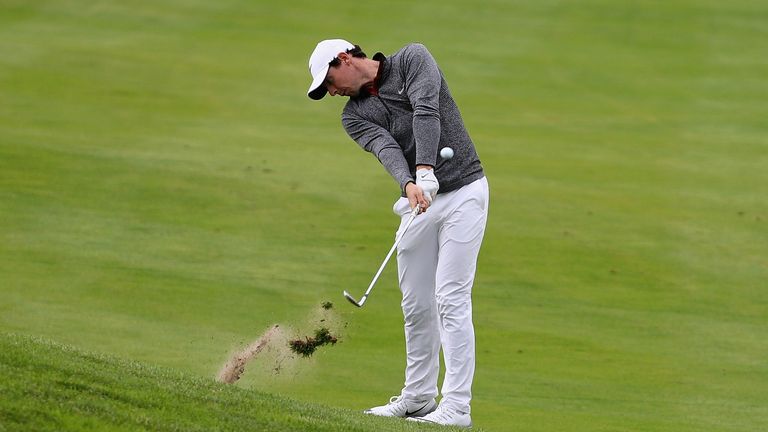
(426, 180)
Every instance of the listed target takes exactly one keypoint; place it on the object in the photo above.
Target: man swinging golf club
(401, 111)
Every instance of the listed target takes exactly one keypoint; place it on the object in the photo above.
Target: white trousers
(436, 263)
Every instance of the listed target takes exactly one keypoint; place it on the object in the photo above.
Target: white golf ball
(446, 153)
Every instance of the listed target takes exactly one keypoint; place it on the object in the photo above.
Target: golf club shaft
(414, 212)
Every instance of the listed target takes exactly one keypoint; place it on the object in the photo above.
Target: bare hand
(416, 196)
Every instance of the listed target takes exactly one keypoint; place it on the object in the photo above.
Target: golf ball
(446, 153)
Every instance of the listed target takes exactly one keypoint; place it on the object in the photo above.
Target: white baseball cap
(323, 54)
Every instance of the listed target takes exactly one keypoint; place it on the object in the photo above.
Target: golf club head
(351, 299)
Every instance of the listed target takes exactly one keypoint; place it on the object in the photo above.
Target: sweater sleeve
(377, 141)
(423, 81)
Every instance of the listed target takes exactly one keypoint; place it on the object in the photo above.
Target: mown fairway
(168, 192)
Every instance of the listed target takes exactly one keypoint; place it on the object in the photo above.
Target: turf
(168, 192)
(53, 387)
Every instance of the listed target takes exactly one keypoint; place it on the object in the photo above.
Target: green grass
(52, 387)
(167, 192)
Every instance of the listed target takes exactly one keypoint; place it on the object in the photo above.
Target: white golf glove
(426, 180)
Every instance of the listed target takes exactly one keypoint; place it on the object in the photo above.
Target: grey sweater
(411, 119)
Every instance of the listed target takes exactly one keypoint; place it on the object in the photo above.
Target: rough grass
(52, 387)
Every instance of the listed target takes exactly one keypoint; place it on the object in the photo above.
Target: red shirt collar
(372, 88)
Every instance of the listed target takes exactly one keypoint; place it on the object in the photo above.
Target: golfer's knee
(417, 314)
(454, 311)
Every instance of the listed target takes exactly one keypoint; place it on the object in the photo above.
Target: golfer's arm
(423, 89)
(378, 141)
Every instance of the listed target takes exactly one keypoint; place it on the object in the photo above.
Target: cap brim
(317, 89)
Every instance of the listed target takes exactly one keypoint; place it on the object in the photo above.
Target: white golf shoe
(445, 416)
(399, 406)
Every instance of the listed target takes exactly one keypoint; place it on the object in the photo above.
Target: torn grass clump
(309, 345)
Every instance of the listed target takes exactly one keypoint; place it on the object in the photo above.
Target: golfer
(401, 111)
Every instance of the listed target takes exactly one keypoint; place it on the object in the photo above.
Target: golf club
(416, 210)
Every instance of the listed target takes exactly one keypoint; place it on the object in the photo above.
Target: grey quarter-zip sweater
(409, 117)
